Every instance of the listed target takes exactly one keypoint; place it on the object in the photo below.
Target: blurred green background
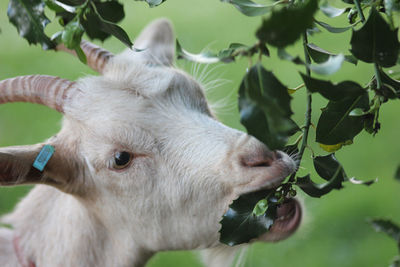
(335, 231)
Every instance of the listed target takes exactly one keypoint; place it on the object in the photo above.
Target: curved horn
(97, 57)
(41, 89)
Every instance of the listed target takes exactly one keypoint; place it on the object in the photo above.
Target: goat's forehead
(138, 96)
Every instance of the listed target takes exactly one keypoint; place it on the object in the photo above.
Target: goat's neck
(56, 229)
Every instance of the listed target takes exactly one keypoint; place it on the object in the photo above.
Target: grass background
(335, 231)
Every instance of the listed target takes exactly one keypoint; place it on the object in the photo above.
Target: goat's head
(139, 146)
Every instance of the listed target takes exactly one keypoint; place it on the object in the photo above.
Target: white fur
(187, 168)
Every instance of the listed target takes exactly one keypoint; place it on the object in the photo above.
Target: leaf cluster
(98, 19)
(252, 214)
(351, 107)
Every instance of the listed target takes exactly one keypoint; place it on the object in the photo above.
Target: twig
(309, 100)
(377, 76)
(359, 10)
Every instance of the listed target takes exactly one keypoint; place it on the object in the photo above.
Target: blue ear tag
(44, 156)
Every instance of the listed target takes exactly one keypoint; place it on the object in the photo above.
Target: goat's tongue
(287, 221)
(286, 209)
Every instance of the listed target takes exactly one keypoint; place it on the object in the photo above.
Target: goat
(141, 165)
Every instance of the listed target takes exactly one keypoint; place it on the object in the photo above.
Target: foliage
(264, 101)
(242, 224)
(261, 94)
(349, 110)
(33, 29)
(98, 19)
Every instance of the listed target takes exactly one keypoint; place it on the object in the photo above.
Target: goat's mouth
(284, 212)
(288, 219)
(268, 177)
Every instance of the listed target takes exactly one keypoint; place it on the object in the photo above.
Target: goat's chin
(289, 216)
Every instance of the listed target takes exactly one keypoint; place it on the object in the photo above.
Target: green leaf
(332, 148)
(238, 46)
(282, 54)
(332, 29)
(332, 65)
(240, 225)
(318, 190)
(226, 55)
(249, 8)
(387, 227)
(111, 11)
(80, 54)
(329, 169)
(116, 31)
(253, 118)
(59, 7)
(390, 87)
(357, 112)
(334, 92)
(276, 30)
(335, 125)
(320, 55)
(29, 19)
(264, 105)
(153, 3)
(390, 6)
(97, 27)
(328, 166)
(57, 37)
(72, 34)
(261, 207)
(358, 182)
(92, 29)
(395, 262)
(206, 57)
(331, 11)
(351, 59)
(361, 1)
(312, 30)
(72, 2)
(375, 41)
(397, 174)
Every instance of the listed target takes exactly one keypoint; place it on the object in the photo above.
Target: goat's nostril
(260, 164)
(259, 160)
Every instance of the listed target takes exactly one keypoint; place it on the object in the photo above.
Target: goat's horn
(96, 57)
(51, 91)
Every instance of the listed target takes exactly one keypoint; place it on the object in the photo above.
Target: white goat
(140, 165)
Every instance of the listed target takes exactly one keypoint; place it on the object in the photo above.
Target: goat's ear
(16, 168)
(157, 42)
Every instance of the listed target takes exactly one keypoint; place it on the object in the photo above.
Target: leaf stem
(377, 76)
(298, 87)
(359, 10)
(309, 100)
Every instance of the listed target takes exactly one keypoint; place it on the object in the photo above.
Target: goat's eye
(122, 160)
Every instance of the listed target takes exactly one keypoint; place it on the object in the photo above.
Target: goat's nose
(260, 159)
